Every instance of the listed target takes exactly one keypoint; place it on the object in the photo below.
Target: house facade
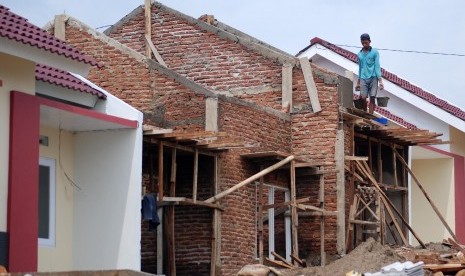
(440, 168)
(71, 159)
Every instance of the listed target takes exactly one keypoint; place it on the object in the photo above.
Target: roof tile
(65, 79)
(418, 91)
(15, 27)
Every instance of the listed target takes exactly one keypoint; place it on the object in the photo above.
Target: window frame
(51, 163)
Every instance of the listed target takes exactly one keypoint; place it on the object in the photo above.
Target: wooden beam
(310, 83)
(152, 48)
(394, 166)
(322, 221)
(260, 219)
(294, 216)
(436, 210)
(216, 229)
(380, 163)
(387, 202)
(353, 158)
(196, 170)
(171, 248)
(160, 171)
(278, 263)
(279, 257)
(148, 26)
(154, 140)
(297, 260)
(250, 179)
(283, 204)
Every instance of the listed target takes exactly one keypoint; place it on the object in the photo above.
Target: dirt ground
(369, 256)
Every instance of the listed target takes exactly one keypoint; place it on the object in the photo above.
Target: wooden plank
(394, 167)
(214, 247)
(444, 267)
(353, 158)
(148, 26)
(317, 214)
(156, 54)
(279, 257)
(322, 221)
(278, 263)
(282, 204)
(363, 222)
(260, 219)
(250, 179)
(310, 83)
(436, 210)
(160, 241)
(296, 259)
(386, 201)
(153, 140)
(370, 154)
(380, 164)
(196, 171)
(193, 134)
(171, 248)
(294, 215)
(149, 132)
(160, 171)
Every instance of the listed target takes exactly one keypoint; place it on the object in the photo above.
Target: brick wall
(314, 138)
(239, 219)
(217, 63)
(164, 102)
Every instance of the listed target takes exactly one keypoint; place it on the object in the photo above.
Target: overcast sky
(419, 25)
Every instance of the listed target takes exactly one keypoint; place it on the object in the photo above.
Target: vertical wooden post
(405, 193)
(322, 220)
(160, 171)
(196, 170)
(380, 164)
(370, 154)
(148, 27)
(160, 240)
(394, 166)
(260, 219)
(294, 218)
(171, 249)
(215, 229)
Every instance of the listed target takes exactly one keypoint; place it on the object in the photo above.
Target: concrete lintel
(254, 90)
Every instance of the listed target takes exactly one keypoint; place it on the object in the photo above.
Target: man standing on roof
(369, 73)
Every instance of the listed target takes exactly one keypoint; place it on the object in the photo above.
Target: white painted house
(441, 168)
(70, 157)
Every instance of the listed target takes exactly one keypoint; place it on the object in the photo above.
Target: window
(46, 201)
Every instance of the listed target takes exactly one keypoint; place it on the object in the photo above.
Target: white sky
(433, 26)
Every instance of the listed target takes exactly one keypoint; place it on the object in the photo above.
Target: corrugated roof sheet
(15, 27)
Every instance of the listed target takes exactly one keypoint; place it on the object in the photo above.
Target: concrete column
(287, 86)
(211, 114)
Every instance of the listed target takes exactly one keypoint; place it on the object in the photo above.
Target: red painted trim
(23, 176)
(89, 113)
(459, 187)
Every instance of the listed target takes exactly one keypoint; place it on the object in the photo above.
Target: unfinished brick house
(220, 107)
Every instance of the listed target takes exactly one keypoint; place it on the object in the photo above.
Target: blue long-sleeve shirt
(368, 64)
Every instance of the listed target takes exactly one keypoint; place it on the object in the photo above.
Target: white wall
(16, 74)
(107, 209)
(60, 148)
(437, 177)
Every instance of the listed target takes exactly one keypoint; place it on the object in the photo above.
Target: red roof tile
(418, 91)
(15, 27)
(65, 79)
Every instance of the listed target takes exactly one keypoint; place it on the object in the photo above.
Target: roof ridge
(153, 65)
(403, 83)
(262, 48)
